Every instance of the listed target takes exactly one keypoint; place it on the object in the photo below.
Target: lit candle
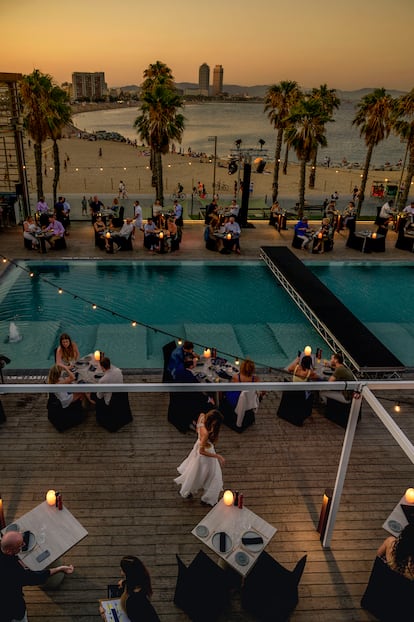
(207, 353)
(97, 355)
(228, 236)
(228, 497)
(2, 519)
(107, 235)
(308, 351)
(51, 497)
(409, 495)
(320, 236)
(374, 235)
(161, 235)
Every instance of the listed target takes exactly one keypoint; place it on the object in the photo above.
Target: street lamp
(211, 139)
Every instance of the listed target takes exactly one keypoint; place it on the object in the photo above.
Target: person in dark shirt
(14, 575)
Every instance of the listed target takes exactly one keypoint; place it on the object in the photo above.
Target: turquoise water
(381, 296)
(237, 308)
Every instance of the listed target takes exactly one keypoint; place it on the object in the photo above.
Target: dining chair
(388, 595)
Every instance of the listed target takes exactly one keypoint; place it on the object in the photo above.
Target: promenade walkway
(120, 486)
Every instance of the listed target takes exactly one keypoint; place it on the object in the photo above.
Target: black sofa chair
(167, 350)
(295, 407)
(202, 589)
(337, 412)
(116, 414)
(270, 591)
(64, 418)
(230, 416)
(389, 596)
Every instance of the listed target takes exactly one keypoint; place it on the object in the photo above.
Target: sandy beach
(87, 172)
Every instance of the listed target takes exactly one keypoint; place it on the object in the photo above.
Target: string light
(133, 323)
(397, 407)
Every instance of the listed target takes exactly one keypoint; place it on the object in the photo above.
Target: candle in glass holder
(97, 355)
(107, 235)
(161, 235)
(207, 353)
(228, 236)
(409, 495)
(307, 351)
(374, 235)
(228, 497)
(51, 497)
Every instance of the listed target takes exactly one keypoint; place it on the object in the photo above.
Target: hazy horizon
(346, 45)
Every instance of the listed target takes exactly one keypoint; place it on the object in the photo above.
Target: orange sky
(348, 44)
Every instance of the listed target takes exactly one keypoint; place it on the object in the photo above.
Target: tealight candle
(228, 497)
(51, 497)
(308, 351)
(107, 235)
(409, 495)
(228, 236)
(97, 355)
(374, 235)
(161, 235)
(207, 353)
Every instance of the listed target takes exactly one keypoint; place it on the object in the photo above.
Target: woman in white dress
(202, 467)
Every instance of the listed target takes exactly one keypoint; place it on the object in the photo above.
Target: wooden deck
(120, 486)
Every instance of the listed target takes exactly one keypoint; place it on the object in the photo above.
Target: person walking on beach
(201, 470)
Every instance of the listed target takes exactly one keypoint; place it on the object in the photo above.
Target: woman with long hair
(57, 376)
(399, 552)
(201, 470)
(135, 599)
(67, 352)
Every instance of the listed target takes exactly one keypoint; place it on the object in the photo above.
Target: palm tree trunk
(364, 179)
(286, 160)
(312, 176)
(56, 164)
(278, 151)
(39, 174)
(408, 178)
(302, 182)
(159, 176)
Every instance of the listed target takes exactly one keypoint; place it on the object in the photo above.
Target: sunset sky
(348, 44)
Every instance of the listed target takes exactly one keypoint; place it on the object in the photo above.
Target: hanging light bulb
(60, 290)
(397, 407)
(180, 342)
(134, 323)
(94, 306)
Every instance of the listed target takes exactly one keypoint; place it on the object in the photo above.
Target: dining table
(87, 370)
(237, 535)
(400, 517)
(52, 533)
(370, 240)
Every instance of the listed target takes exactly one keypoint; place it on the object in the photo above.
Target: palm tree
(60, 115)
(159, 122)
(306, 130)
(374, 119)
(34, 91)
(329, 102)
(404, 127)
(279, 100)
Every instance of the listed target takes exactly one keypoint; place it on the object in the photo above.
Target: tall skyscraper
(88, 85)
(218, 80)
(204, 79)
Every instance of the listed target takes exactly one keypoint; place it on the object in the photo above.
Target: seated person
(112, 375)
(157, 214)
(99, 227)
(399, 552)
(340, 374)
(302, 369)
(233, 228)
(54, 232)
(234, 209)
(181, 353)
(59, 374)
(121, 237)
(172, 235)
(212, 242)
(324, 237)
(246, 374)
(67, 352)
(185, 407)
(212, 208)
(331, 212)
(150, 238)
(275, 212)
(409, 210)
(303, 232)
(386, 214)
(29, 230)
(349, 216)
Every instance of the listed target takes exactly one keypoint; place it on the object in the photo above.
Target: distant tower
(204, 79)
(218, 80)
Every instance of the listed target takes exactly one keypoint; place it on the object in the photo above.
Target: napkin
(252, 540)
(222, 542)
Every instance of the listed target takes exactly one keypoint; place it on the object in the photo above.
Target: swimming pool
(237, 308)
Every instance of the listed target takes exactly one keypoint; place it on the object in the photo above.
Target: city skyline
(348, 46)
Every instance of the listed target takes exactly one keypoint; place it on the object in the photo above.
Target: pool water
(239, 309)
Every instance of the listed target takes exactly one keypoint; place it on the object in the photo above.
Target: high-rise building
(218, 80)
(204, 79)
(88, 85)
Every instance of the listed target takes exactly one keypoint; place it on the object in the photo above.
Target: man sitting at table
(120, 238)
(150, 238)
(56, 229)
(178, 356)
(112, 409)
(185, 407)
(112, 375)
(303, 232)
(15, 575)
(340, 374)
(409, 210)
(233, 228)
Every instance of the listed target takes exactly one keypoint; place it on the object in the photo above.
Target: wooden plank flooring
(120, 486)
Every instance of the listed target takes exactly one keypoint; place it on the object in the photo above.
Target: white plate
(254, 547)
(216, 542)
(202, 531)
(394, 525)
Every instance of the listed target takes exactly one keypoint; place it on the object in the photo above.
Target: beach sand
(86, 172)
